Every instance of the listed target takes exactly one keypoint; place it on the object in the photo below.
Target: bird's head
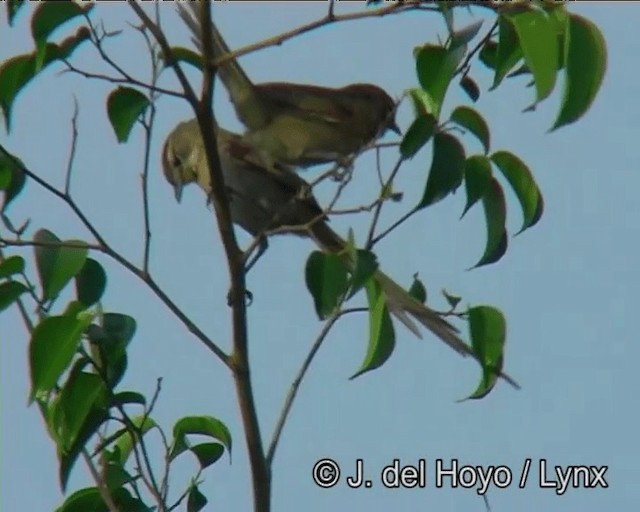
(380, 105)
(178, 159)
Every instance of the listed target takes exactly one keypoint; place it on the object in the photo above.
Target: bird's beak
(178, 185)
(391, 125)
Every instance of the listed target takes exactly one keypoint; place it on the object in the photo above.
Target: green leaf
(366, 263)
(477, 179)
(12, 265)
(13, 178)
(83, 500)
(418, 134)
(495, 211)
(508, 52)
(436, 67)
(16, 72)
(489, 54)
(468, 118)
(207, 453)
(447, 169)
(539, 44)
(124, 107)
(382, 339)
(488, 330)
(90, 282)
(470, 86)
(90, 500)
(9, 293)
(128, 397)
(109, 344)
(57, 265)
(48, 16)
(196, 501)
(82, 393)
(126, 443)
(67, 460)
(523, 184)
(13, 6)
(585, 66)
(116, 476)
(54, 342)
(453, 300)
(418, 291)
(202, 425)
(327, 280)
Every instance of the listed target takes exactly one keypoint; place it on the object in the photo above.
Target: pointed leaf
(68, 459)
(48, 16)
(126, 443)
(539, 43)
(447, 169)
(13, 6)
(207, 453)
(523, 184)
(90, 282)
(11, 265)
(418, 290)
(488, 331)
(366, 263)
(471, 120)
(495, 211)
(81, 393)
(9, 293)
(382, 339)
(124, 107)
(585, 66)
(57, 265)
(202, 425)
(418, 134)
(54, 342)
(508, 52)
(477, 179)
(436, 67)
(13, 178)
(453, 300)
(196, 501)
(16, 72)
(327, 281)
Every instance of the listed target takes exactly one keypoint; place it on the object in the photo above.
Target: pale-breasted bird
(261, 200)
(297, 124)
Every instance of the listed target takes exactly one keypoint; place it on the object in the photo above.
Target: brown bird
(297, 124)
(261, 201)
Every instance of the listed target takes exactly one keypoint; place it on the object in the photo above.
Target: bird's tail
(402, 305)
(238, 84)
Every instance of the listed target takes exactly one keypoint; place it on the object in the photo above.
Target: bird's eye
(176, 161)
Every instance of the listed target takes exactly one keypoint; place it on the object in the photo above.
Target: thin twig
(376, 214)
(295, 385)
(103, 490)
(72, 152)
(104, 247)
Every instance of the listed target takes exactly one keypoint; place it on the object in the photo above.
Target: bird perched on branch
(297, 124)
(260, 201)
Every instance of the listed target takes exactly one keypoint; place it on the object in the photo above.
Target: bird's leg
(252, 256)
(344, 168)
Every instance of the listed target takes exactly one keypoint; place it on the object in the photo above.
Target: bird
(299, 125)
(260, 200)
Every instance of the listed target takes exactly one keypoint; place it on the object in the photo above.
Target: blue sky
(567, 287)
